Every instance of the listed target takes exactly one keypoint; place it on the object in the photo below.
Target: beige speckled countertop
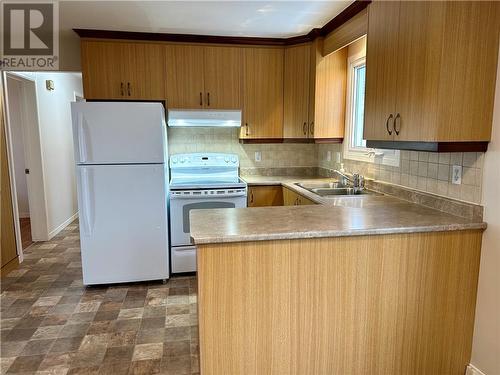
(332, 217)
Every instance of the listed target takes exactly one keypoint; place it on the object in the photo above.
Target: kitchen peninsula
(361, 285)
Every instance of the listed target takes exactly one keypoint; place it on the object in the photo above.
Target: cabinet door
(331, 77)
(263, 93)
(296, 92)
(184, 81)
(381, 69)
(447, 58)
(261, 196)
(101, 70)
(223, 75)
(303, 201)
(290, 198)
(148, 77)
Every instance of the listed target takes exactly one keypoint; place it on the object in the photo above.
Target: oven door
(180, 206)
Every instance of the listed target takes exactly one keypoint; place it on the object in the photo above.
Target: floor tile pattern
(52, 324)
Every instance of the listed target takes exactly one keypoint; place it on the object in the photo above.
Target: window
(354, 144)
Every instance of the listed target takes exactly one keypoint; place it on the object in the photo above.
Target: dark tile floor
(52, 324)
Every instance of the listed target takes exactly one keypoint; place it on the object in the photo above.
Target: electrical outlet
(456, 177)
(328, 156)
(258, 156)
(337, 157)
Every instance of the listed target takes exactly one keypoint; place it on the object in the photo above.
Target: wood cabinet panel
(331, 77)
(261, 196)
(101, 72)
(381, 68)
(413, 295)
(263, 93)
(432, 66)
(184, 76)
(223, 72)
(148, 72)
(291, 198)
(296, 91)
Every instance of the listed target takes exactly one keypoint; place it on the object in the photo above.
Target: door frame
(33, 157)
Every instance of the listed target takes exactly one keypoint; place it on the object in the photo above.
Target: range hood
(190, 118)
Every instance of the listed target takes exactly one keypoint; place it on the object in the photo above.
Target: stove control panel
(204, 160)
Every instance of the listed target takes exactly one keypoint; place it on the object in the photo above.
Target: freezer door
(119, 132)
(123, 223)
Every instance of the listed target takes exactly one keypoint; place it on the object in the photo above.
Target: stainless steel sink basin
(326, 189)
(320, 185)
(339, 191)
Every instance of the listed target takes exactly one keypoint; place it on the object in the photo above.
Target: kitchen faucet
(358, 181)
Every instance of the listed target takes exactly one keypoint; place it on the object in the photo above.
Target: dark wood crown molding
(342, 17)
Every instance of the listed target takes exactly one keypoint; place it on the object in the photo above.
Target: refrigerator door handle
(87, 204)
(82, 144)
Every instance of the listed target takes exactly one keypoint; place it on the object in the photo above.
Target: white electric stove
(199, 181)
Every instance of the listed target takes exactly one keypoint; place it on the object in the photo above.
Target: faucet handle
(355, 179)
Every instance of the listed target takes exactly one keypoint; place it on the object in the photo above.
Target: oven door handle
(207, 196)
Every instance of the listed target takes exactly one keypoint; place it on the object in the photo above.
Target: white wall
(54, 116)
(16, 128)
(486, 345)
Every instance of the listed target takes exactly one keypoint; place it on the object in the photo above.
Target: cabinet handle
(121, 89)
(251, 197)
(208, 99)
(246, 129)
(304, 128)
(387, 124)
(311, 128)
(296, 201)
(201, 98)
(394, 124)
(128, 88)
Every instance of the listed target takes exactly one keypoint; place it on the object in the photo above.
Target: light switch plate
(337, 157)
(258, 156)
(328, 156)
(456, 177)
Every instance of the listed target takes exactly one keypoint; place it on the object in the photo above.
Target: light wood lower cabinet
(291, 198)
(262, 93)
(366, 305)
(262, 196)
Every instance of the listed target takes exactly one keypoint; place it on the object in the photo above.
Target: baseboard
(472, 370)
(62, 226)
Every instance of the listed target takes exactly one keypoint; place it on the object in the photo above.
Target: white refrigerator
(122, 182)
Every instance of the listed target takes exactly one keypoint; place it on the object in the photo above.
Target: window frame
(365, 154)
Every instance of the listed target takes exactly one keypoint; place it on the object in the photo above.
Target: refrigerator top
(119, 133)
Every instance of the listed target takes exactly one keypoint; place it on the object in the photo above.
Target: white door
(119, 132)
(123, 222)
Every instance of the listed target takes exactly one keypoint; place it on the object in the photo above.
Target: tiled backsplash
(425, 171)
(278, 156)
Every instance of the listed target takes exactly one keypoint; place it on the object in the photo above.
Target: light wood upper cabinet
(101, 72)
(123, 70)
(331, 76)
(262, 93)
(381, 66)
(223, 72)
(435, 76)
(185, 78)
(296, 92)
(204, 77)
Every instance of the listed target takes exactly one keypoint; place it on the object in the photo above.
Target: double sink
(327, 189)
